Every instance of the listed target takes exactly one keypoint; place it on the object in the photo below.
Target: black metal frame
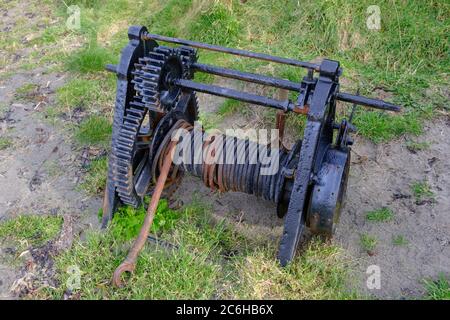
(317, 97)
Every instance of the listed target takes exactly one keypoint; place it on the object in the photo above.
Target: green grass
(399, 240)
(230, 107)
(78, 93)
(381, 127)
(5, 143)
(415, 146)
(438, 289)
(95, 180)
(95, 131)
(422, 191)
(212, 260)
(92, 58)
(320, 272)
(380, 215)
(26, 92)
(368, 242)
(24, 231)
(216, 25)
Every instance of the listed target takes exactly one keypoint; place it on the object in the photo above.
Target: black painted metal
(308, 189)
(235, 94)
(238, 52)
(316, 128)
(246, 76)
(135, 49)
(368, 102)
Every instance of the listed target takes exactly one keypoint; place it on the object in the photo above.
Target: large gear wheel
(155, 97)
(154, 73)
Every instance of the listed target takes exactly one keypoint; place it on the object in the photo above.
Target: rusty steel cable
(227, 163)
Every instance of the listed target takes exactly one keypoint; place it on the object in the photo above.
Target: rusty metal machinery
(156, 95)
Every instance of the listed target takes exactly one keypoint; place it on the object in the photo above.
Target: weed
(415, 147)
(422, 191)
(128, 221)
(380, 215)
(438, 289)
(368, 242)
(399, 240)
(5, 143)
(26, 92)
(95, 180)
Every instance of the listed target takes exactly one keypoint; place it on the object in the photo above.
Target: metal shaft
(235, 94)
(237, 52)
(368, 102)
(247, 76)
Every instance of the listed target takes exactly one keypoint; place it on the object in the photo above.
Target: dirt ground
(40, 173)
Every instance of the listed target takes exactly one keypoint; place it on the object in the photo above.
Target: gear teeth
(146, 81)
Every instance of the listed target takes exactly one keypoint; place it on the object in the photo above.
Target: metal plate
(329, 192)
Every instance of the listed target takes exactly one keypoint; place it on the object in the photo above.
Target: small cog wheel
(154, 75)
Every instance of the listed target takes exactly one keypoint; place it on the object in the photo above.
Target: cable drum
(227, 163)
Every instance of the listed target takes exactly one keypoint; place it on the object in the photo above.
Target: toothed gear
(154, 74)
(133, 168)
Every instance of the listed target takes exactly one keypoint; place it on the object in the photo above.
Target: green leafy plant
(128, 221)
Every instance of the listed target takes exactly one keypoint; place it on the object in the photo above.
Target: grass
(94, 131)
(422, 191)
(380, 215)
(27, 230)
(212, 260)
(438, 289)
(394, 62)
(381, 127)
(368, 242)
(399, 240)
(128, 221)
(88, 94)
(92, 58)
(5, 143)
(95, 180)
(229, 107)
(26, 92)
(415, 146)
(319, 273)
